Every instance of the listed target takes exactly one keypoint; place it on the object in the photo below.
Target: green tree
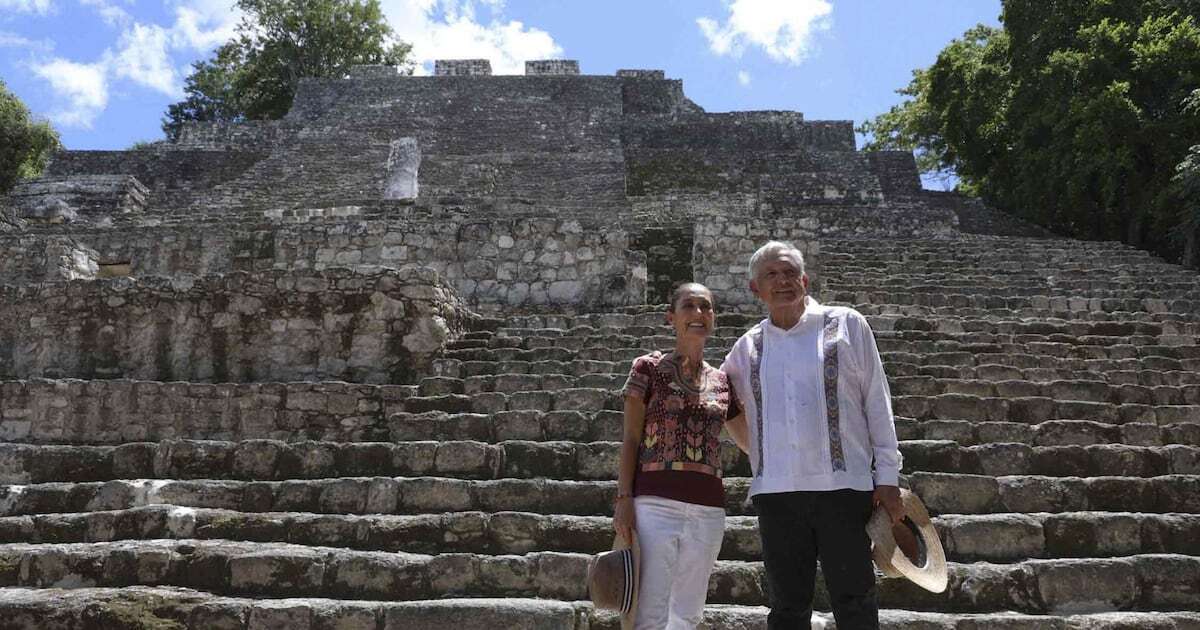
(210, 93)
(25, 144)
(279, 42)
(1187, 186)
(1072, 115)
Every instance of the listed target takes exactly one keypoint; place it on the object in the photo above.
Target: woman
(669, 484)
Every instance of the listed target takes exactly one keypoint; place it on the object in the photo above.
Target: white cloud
(783, 29)
(743, 78)
(40, 7)
(145, 54)
(204, 24)
(142, 57)
(112, 14)
(14, 40)
(448, 29)
(84, 86)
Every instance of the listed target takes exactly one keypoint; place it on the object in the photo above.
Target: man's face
(779, 283)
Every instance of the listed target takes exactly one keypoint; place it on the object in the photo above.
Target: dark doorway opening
(668, 259)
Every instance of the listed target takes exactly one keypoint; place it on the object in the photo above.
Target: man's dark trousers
(797, 529)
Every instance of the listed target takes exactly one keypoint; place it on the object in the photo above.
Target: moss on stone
(138, 613)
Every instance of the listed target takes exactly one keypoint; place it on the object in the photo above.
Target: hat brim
(933, 575)
(619, 542)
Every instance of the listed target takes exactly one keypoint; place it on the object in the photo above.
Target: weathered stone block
(272, 572)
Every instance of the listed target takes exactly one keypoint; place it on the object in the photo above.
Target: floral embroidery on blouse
(683, 423)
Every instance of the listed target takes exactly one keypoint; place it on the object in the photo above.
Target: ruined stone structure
(360, 368)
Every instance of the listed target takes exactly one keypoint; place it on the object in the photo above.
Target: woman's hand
(623, 518)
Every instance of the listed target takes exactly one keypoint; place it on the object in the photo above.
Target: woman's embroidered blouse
(680, 453)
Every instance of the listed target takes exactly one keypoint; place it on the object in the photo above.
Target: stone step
(456, 368)
(943, 493)
(117, 411)
(916, 260)
(902, 329)
(712, 354)
(539, 426)
(1040, 309)
(965, 538)
(1049, 433)
(1150, 371)
(1117, 301)
(1102, 348)
(1172, 357)
(652, 317)
(92, 608)
(846, 273)
(1001, 288)
(272, 460)
(1145, 582)
(572, 399)
(1079, 388)
(1008, 369)
(1064, 390)
(963, 366)
(731, 326)
(626, 349)
(957, 493)
(1037, 409)
(992, 250)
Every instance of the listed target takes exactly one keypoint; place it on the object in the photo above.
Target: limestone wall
(78, 198)
(555, 67)
(260, 134)
(173, 175)
(380, 327)
(30, 259)
(493, 264)
(723, 245)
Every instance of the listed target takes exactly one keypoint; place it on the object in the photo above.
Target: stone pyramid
(359, 368)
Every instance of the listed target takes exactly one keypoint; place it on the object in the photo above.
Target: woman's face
(692, 314)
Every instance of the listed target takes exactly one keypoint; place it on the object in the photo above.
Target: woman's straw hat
(613, 579)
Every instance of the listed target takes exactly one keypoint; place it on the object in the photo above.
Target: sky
(104, 71)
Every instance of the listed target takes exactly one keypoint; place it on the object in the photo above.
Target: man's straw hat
(901, 559)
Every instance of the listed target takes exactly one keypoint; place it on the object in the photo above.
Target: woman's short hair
(772, 248)
(682, 288)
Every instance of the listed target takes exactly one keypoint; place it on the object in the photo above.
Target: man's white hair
(771, 249)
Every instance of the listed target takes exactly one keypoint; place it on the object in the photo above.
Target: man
(823, 446)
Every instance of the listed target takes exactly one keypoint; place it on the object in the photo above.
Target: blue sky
(103, 71)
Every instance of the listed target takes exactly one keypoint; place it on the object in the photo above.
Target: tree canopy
(25, 144)
(1074, 115)
(278, 42)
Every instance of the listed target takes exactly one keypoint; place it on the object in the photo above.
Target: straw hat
(894, 559)
(613, 579)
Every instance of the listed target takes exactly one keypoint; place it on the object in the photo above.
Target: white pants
(679, 542)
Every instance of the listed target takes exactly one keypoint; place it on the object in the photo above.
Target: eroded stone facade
(370, 327)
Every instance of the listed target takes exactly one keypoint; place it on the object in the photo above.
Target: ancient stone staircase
(1048, 403)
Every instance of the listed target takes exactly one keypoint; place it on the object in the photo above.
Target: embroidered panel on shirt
(756, 339)
(832, 407)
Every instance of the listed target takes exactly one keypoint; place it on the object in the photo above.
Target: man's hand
(889, 498)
